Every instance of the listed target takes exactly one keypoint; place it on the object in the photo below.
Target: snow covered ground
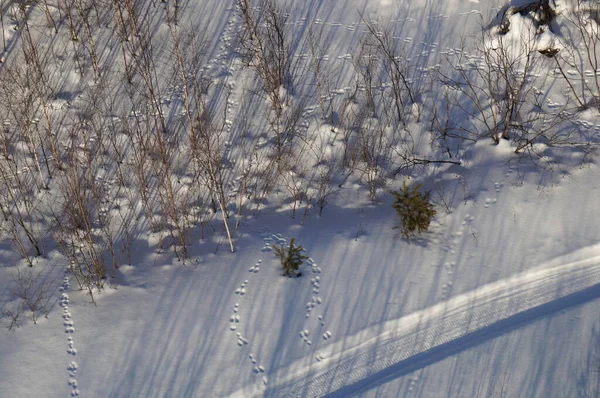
(498, 298)
(373, 314)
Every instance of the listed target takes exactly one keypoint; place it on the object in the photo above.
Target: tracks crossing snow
(235, 320)
(69, 330)
(493, 308)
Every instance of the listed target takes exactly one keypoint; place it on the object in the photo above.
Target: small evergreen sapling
(291, 258)
(414, 209)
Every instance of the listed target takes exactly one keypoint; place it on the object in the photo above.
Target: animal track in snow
(492, 308)
(255, 268)
(69, 329)
(468, 219)
(314, 302)
(315, 284)
(314, 268)
(235, 319)
(241, 340)
(257, 368)
(242, 289)
(413, 383)
(270, 239)
(72, 350)
(320, 318)
(304, 336)
(448, 270)
(73, 367)
(489, 201)
(447, 287)
(278, 239)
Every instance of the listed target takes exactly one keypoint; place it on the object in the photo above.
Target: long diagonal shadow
(425, 337)
(466, 342)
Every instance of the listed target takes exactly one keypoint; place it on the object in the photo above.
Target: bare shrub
(20, 215)
(76, 229)
(31, 291)
(266, 47)
(497, 89)
(381, 55)
(578, 52)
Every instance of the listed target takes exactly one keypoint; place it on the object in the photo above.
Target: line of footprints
(69, 329)
(234, 320)
(269, 240)
(315, 282)
(312, 304)
(456, 236)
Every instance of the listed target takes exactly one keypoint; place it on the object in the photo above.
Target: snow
(500, 296)
(165, 331)
(460, 321)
